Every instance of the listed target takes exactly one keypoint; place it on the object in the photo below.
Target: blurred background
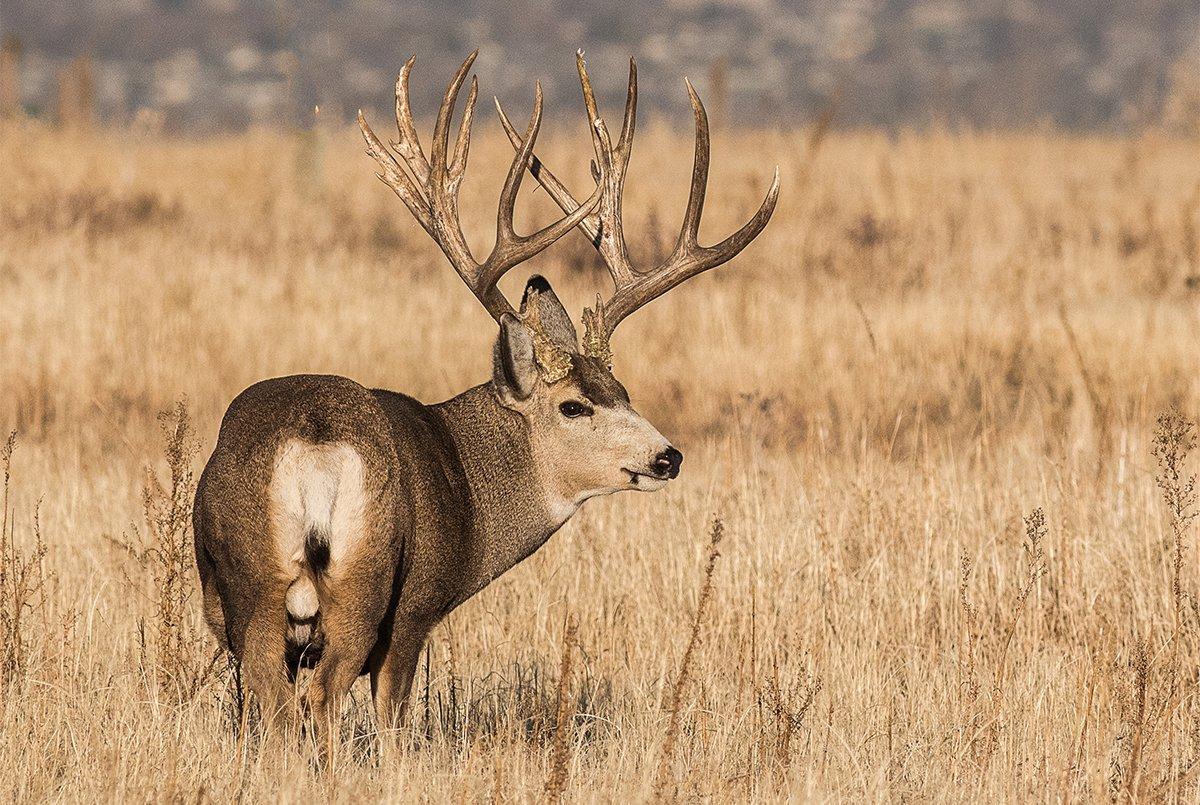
(216, 65)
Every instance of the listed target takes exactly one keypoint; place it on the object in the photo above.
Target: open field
(939, 337)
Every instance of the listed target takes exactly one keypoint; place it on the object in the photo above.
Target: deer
(335, 525)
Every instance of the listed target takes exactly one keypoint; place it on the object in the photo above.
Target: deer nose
(667, 462)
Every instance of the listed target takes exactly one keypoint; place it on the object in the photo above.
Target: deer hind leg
(250, 618)
(243, 602)
(214, 615)
(214, 612)
(262, 658)
(349, 637)
(353, 605)
(393, 666)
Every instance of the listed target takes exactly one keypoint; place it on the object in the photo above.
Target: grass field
(923, 406)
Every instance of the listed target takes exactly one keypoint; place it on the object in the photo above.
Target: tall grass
(23, 581)
(926, 401)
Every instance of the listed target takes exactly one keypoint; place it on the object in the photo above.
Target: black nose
(667, 462)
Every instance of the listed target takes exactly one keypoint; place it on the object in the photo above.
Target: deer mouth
(648, 481)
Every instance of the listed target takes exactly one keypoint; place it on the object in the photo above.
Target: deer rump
(318, 515)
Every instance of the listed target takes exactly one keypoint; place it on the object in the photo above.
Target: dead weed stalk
(663, 773)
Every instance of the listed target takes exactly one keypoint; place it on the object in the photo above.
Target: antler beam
(429, 187)
(635, 288)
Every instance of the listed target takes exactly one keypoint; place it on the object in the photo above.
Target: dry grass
(938, 335)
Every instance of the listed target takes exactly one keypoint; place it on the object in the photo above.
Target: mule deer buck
(335, 525)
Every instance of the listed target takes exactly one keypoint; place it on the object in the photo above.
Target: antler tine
(690, 230)
(429, 188)
(589, 102)
(749, 231)
(458, 165)
(442, 191)
(611, 240)
(554, 188)
(512, 248)
(630, 121)
(394, 177)
(408, 144)
(516, 170)
(634, 288)
(604, 228)
(441, 128)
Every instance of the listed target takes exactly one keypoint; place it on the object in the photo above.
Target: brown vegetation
(959, 553)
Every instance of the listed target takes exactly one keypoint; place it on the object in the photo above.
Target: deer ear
(551, 313)
(514, 369)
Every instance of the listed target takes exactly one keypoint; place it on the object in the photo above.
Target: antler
(429, 188)
(634, 288)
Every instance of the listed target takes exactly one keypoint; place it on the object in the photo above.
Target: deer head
(585, 437)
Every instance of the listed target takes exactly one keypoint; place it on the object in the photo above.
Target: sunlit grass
(943, 344)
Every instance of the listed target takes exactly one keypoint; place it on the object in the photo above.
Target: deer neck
(510, 516)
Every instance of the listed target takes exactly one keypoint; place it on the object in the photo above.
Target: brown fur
(390, 513)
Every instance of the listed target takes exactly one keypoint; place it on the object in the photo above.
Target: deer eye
(572, 409)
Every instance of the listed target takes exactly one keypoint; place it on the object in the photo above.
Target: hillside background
(209, 65)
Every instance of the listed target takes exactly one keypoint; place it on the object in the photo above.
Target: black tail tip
(316, 551)
(537, 283)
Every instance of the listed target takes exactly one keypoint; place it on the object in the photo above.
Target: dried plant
(966, 664)
(23, 582)
(667, 752)
(1124, 776)
(1035, 568)
(1174, 440)
(173, 642)
(786, 699)
(560, 747)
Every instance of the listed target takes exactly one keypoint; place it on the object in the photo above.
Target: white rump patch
(315, 488)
